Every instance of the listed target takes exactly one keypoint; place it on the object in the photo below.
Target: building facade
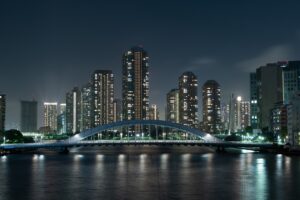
(2, 112)
(211, 99)
(29, 116)
(86, 107)
(153, 112)
(279, 121)
(117, 110)
(245, 121)
(269, 91)
(225, 116)
(103, 97)
(253, 101)
(293, 118)
(241, 114)
(291, 80)
(73, 111)
(188, 99)
(50, 115)
(135, 84)
(61, 119)
(172, 109)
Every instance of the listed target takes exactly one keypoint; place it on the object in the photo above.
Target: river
(149, 173)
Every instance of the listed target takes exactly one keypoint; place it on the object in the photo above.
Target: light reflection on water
(164, 160)
(149, 175)
(37, 177)
(261, 179)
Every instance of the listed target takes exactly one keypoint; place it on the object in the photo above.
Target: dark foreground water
(146, 173)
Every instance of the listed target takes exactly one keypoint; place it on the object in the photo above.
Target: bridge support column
(220, 149)
(64, 150)
(156, 132)
(127, 132)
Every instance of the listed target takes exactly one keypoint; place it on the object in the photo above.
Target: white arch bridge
(137, 132)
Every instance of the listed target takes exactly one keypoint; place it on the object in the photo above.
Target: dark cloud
(272, 54)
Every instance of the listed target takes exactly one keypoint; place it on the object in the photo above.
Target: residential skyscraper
(73, 111)
(117, 110)
(62, 108)
(2, 112)
(50, 115)
(102, 97)
(135, 84)
(86, 107)
(291, 80)
(241, 112)
(29, 116)
(225, 116)
(188, 99)
(61, 119)
(172, 110)
(153, 112)
(211, 98)
(245, 114)
(238, 115)
(232, 111)
(269, 91)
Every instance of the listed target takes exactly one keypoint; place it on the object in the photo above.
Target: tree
(283, 132)
(13, 136)
(249, 129)
(235, 138)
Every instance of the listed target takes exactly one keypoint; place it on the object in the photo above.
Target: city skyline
(50, 60)
(281, 64)
(199, 113)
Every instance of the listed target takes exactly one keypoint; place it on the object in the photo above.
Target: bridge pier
(64, 150)
(220, 149)
(2, 153)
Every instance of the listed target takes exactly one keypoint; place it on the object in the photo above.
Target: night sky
(48, 47)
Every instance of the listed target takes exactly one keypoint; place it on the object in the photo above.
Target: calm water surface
(147, 173)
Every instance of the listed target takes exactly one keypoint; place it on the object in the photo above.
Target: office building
(291, 80)
(269, 91)
(29, 116)
(253, 101)
(293, 117)
(279, 121)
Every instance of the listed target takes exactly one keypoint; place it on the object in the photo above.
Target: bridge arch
(87, 133)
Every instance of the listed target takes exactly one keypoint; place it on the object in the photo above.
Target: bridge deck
(65, 144)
